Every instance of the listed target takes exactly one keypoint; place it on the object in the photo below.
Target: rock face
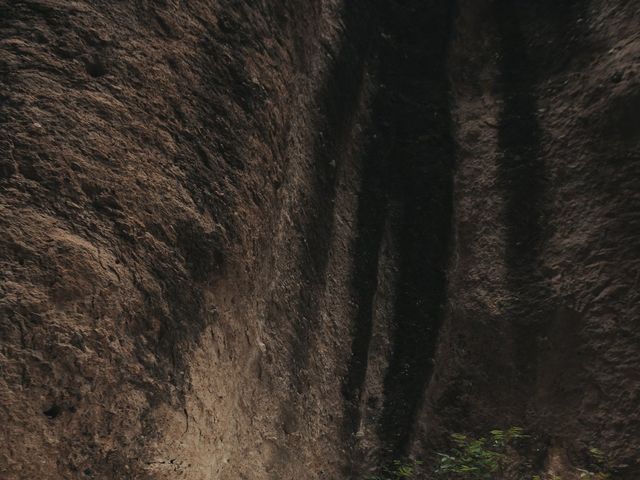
(290, 240)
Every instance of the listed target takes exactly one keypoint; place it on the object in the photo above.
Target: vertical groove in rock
(522, 176)
(420, 167)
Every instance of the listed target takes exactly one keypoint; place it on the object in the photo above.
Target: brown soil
(294, 240)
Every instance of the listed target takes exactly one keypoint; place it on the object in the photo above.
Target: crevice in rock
(409, 164)
(522, 176)
(421, 166)
(338, 99)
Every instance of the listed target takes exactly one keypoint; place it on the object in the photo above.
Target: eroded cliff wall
(278, 240)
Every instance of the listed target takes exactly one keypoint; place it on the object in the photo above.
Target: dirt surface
(294, 240)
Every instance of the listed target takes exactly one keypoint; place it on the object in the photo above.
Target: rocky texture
(543, 295)
(277, 240)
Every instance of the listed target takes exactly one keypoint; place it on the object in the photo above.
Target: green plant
(481, 458)
(596, 470)
(398, 470)
(497, 455)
